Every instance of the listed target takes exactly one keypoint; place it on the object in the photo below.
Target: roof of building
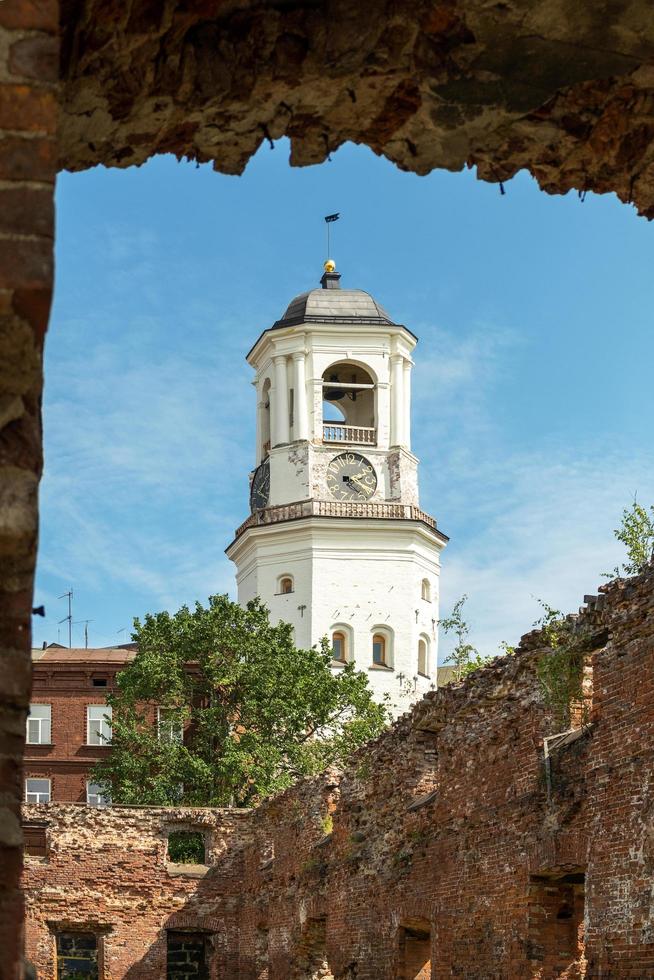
(334, 306)
(103, 655)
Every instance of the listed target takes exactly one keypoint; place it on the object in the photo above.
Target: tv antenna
(69, 618)
(86, 630)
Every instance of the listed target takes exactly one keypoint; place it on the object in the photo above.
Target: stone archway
(561, 88)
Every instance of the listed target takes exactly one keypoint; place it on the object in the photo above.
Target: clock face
(260, 487)
(351, 476)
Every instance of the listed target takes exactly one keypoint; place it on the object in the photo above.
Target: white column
(407, 403)
(300, 388)
(397, 399)
(280, 401)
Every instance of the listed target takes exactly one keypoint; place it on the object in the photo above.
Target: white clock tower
(336, 543)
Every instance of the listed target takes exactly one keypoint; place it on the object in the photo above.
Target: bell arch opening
(349, 403)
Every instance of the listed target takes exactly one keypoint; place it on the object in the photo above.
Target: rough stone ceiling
(563, 88)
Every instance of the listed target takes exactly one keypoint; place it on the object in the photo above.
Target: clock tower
(336, 543)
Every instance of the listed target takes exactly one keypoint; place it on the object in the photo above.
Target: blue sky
(533, 395)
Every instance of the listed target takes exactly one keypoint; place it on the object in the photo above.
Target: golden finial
(329, 266)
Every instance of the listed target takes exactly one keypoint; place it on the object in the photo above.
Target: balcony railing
(335, 508)
(362, 434)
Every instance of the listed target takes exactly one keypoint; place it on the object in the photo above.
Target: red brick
(35, 57)
(28, 159)
(25, 264)
(30, 14)
(27, 211)
(27, 109)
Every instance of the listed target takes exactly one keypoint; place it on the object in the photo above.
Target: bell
(334, 394)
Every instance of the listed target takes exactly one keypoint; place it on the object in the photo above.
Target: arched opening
(348, 404)
(423, 656)
(265, 418)
(285, 585)
(342, 643)
(425, 590)
(382, 647)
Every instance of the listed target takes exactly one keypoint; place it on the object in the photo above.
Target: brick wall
(445, 849)
(28, 155)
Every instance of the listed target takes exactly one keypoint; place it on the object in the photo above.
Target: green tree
(256, 712)
(465, 657)
(561, 672)
(636, 532)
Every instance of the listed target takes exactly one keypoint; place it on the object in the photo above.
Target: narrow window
(186, 956)
(170, 727)
(98, 724)
(338, 646)
(96, 796)
(77, 955)
(426, 590)
(379, 650)
(34, 838)
(99, 682)
(186, 847)
(37, 790)
(415, 950)
(39, 724)
(286, 585)
(423, 665)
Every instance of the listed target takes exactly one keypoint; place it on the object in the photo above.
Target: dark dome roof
(334, 306)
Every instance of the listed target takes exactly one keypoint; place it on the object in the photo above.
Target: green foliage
(506, 650)
(465, 657)
(327, 824)
(560, 672)
(257, 713)
(186, 847)
(636, 532)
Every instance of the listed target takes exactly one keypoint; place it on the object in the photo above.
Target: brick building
(68, 727)
(473, 839)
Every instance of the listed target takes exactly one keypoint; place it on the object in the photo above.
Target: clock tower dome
(336, 543)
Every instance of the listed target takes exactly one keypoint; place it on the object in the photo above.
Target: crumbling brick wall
(28, 157)
(445, 849)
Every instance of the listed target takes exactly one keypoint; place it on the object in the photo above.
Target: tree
(464, 656)
(256, 713)
(636, 532)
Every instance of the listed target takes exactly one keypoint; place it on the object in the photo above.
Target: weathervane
(328, 220)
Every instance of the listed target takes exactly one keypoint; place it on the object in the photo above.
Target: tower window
(426, 590)
(423, 657)
(285, 585)
(339, 647)
(379, 650)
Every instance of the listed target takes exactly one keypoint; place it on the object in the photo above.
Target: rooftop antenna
(86, 630)
(69, 618)
(328, 220)
(123, 629)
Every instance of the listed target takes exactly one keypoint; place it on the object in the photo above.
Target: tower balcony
(361, 435)
(338, 508)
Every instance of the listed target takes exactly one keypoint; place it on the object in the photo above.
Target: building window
(285, 585)
(39, 724)
(37, 790)
(98, 724)
(96, 796)
(99, 682)
(426, 590)
(77, 956)
(423, 657)
(339, 647)
(170, 727)
(186, 847)
(186, 956)
(379, 650)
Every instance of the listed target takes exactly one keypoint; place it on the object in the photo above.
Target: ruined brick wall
(28, 157)
(107, 872)
(446, 848)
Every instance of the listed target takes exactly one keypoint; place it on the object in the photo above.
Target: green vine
(561, 672)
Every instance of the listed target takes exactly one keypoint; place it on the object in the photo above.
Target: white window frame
(93, 795)
(42, 724)
(104, 717)
(423, 638)
(38, 793)
(172, 735)
(425, 590)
